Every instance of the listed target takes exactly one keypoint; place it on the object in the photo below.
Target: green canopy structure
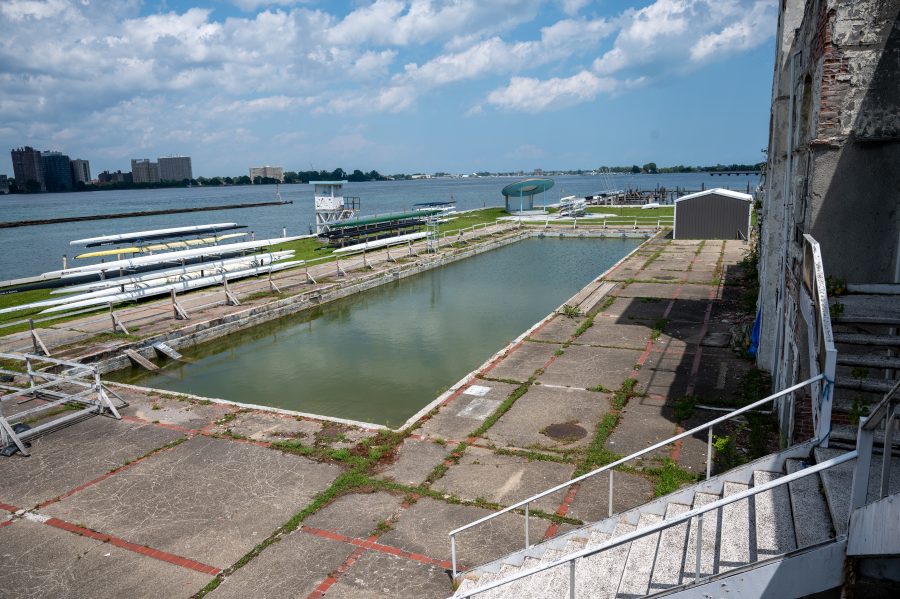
(519, 196)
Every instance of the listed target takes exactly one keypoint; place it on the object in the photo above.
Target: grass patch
(588, 323)
(670, 477)
(570, 311)
(502, 409)
(659, 327)
(684, 407)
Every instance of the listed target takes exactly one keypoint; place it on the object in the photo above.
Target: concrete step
(874, 288)
(708, 541)
(871, 385)
(735, 551)
(599, 576)
(670, 555)
(639, 567)
(812, 521)
(838, 481)
(869, 361)
(774, 522)
(868, 309)
(867, 340)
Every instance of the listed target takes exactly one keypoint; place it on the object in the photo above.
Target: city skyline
(389, 85)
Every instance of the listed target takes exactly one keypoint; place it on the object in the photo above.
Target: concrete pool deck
(183, 493)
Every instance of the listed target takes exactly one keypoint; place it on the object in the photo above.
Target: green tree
(635, 169)
(650, 167)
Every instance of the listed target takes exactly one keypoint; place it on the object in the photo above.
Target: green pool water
(382, 355)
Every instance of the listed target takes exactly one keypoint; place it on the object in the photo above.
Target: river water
(28, 251)
(382, 355)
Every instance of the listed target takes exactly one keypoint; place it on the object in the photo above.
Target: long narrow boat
(169, 257)
(181, 286)
(155, 234)
(142, 285)
(159, 247)
(381, 243)
(248, 261)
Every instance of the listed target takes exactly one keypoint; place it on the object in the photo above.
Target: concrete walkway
(185, 495)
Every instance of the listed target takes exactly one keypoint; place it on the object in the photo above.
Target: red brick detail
(562, 510)
(8, 508)
(676, 447)
(141, 549)
(334, 576)
(370, 543)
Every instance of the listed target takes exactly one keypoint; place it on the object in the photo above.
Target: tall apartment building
(267, 172)
(28, 166)
(175, 168)
(57, 171)
(144, 171)
(81, 171)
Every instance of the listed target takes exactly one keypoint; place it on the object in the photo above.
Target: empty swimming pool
(381, 355)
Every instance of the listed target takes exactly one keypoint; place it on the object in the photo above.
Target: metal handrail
(608, 467)
(865, 440)
(880, 411)
(664, 524)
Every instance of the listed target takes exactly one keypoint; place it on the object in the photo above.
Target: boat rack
(61, 398)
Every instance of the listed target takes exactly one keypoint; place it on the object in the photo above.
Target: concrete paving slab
(591, 503)
(292, 567)
(626, 309)
(423, 528)
(640, 426)
(692, 291)
(560, 328)
(378, 575)
(632, 334)
(37, 560)
(357, 514)
(688, 310)
(266, 426)
(646, 290)
(504, 479)
(415, 461)
(207, 499)
(719, 377)
(588, 367)
(666, 375)
(542, 407)
(521, 363)
(74, 455)
(466, 412)
(681, 335)
(170, 410)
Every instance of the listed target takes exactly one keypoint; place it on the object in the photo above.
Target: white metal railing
(57, 390)
(526, 503)
(697, 513)
(886, 412)
(820, 340)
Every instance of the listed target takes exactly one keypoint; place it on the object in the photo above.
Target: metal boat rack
(61, 398)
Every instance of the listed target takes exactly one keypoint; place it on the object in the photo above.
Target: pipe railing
(886, 412)
(708, 426)
(697, 513)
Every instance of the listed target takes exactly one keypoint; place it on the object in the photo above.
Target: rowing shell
(158, 247)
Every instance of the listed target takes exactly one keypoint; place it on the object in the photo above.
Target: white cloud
(254, 5)
(754, 28)
(533, 95)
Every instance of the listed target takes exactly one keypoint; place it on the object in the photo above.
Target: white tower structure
(331, 205)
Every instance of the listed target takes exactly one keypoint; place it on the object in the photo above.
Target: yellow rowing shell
(158, 247)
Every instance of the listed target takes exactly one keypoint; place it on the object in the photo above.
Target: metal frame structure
(77, 384)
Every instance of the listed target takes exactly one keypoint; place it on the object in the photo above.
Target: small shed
(713, 214)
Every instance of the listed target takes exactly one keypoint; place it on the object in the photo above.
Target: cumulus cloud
(157, 78)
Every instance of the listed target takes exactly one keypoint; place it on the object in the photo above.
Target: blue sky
(393, 85)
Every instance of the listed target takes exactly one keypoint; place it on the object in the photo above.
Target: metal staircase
(782, 520)
(778, 526)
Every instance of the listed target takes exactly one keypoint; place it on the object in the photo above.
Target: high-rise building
(57, 171)
(175, 168)
(81, 171)
(107, 178)
(28, 166)
(4, 184)
(267, 172)
(144, 171)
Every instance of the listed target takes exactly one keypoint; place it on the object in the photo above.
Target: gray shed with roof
(713, 214)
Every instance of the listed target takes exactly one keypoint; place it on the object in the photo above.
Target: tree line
(651, 168)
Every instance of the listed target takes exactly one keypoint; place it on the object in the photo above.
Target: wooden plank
(141, 360)
(167, 351)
